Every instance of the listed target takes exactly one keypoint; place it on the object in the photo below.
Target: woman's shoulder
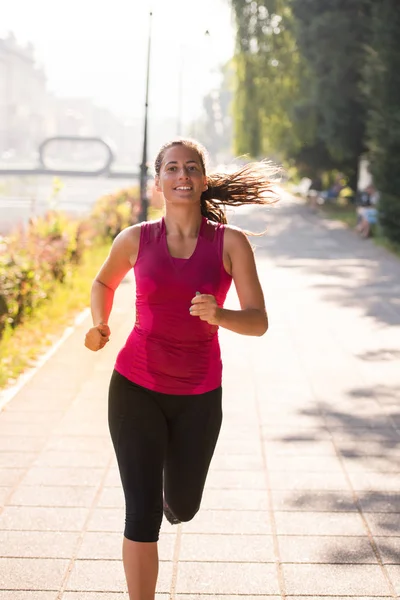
(234, 234)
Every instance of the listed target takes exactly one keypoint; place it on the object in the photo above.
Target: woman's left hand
(206, 308)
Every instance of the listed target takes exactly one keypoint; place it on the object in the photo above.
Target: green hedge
(33, 260)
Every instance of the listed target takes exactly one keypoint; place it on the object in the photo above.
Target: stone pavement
(303, 498)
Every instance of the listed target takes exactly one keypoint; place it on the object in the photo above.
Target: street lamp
(144, 202)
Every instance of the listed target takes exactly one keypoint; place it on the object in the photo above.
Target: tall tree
(269, 77)
(382, 89)
(331, 35)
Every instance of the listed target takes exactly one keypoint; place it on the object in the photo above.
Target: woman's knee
(143, 527)
(184, 511)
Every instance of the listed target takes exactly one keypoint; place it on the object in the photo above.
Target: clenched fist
(206, 308)
(97, 337)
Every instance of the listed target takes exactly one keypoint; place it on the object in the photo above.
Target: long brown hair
(250, 184)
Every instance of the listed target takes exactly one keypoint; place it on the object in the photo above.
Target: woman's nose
(183, 172)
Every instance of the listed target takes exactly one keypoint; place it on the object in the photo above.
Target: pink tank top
(169, 350)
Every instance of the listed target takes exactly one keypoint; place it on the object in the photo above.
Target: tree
(332, 35)
(269, 79)
(382, 91)
(214, 128)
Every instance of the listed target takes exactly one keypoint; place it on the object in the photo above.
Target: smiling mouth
(184, 188)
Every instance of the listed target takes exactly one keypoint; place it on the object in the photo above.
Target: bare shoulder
(235, 239)
(127, 242)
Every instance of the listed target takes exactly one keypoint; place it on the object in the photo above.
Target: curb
(8, 394)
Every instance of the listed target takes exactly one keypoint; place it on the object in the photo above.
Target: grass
(342, 212)
(20, 348)
(347, 214)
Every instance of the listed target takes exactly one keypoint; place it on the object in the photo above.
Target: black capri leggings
(161, 442)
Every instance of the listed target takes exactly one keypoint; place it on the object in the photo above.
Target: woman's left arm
(252, 318)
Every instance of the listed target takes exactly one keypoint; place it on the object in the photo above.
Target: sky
(99, 50)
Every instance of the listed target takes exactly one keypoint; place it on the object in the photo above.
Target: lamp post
(144, 202)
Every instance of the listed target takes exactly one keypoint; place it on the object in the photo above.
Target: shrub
(35, 259)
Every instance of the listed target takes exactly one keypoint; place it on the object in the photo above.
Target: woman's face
(181, 177)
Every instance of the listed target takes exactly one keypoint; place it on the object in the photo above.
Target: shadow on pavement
(348, 270)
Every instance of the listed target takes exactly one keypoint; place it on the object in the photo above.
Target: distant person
(367, 212)
(165, 391)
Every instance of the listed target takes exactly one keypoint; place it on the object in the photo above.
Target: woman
(165, 392)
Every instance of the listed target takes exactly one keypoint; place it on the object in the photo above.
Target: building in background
(25, 118)
(29, 113)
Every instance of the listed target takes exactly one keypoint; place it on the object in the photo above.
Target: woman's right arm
(121, 259)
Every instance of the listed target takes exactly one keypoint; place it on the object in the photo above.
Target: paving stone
(54, 458)
(62, 476)
(42, 518)
(95, 596)
(304, 523)
(308, 464)
(111, 497)
(31, 418)
(297, 480)
(234, 522)
(313, 500)
(389, 549)
(78, 443)
(107, 519)
(18, 460)
(338, 597)
(339, 580)
(384, 524)
(25, 595)
(377, 464)
(389, 482)
(245, 480)
(10, 477)
(38, 544)
(326, 549)
(300, 447)
(4, 493)
(11, 443)
(227, 578)
(235, 499)
(236, 462)
(380, 501)
(108, 576)
(24, 429)
(113, 478)
(31, 573)
(226, 548)
(224, 597)
(250, 447)
(53, 496)
(394, 574)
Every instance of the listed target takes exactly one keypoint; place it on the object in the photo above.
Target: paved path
(303, 499)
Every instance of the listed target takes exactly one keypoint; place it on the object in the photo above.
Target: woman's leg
(141, 568)
(139, 433)
(193, 436)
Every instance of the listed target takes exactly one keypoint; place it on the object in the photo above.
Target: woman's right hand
(97, 337)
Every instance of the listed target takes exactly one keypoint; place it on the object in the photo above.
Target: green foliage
(382, 91)
(270, 75)
(33, 261)
(113, 212)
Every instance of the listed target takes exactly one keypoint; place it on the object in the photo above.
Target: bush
(35, 259)
(113, 212)
(389, 216)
